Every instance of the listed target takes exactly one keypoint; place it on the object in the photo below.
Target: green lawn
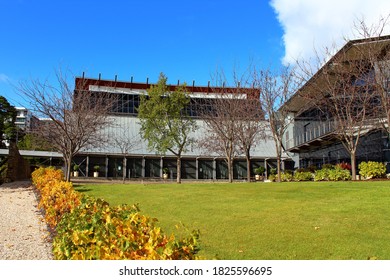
(314, 220)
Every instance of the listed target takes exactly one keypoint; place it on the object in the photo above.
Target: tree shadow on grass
(82, 189)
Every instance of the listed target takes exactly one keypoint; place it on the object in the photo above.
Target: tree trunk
(68, 164)
(178, 177)
(230, 170)
(248, 166)
(278, 161)
(279, 178)
(124, 171)
(353, 165)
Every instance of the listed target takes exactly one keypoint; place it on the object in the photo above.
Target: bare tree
(341, 92)
(221, 129)
(378, 55)
(250, 129)
(126, 144)
(232, 119)
(276, 88)
(74, 117)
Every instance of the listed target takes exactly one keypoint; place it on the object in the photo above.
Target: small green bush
(322, 174)
(303, 176)
(335, 174)
(339, 174)
(272, 178)
(287, 177)
(372, 169)
(259, 170)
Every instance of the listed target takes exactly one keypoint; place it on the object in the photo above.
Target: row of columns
(143, 165)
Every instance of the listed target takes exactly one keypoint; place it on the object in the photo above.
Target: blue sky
(187, 40)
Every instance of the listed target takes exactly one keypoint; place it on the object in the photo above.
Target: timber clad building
(314, 136)
(143, 163)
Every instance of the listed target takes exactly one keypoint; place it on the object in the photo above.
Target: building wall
(143, 163)
(127, 127)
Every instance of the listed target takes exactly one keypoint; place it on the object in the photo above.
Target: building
(142, 163)
(312, 136)
(25, 120)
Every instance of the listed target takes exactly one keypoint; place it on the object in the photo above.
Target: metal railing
(313, 133)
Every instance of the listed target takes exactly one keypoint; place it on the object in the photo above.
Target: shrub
(345, 166)
(58, 199)
(287, 177)
(303, 176)
(322, 174)
(335, 174)
(116, 233)
(88, 228)
(259, 170)
(311, 168)
(372, 169)
(339, 174)
(42, 177)
(272, 178)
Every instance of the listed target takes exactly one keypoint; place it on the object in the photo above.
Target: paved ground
(23, 233)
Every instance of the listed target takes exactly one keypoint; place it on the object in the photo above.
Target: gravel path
(23, 233)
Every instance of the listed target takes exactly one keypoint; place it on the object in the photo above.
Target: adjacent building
(25, 120)
(312, 137)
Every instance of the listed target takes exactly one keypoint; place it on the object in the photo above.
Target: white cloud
(315, 24)
(3, 78)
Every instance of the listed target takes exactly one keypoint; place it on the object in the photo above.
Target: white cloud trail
(4, 78)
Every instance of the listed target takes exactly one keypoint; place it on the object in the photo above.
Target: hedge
(87, 228)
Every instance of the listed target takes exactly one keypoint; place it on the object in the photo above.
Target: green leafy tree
(7, 121)
(164, 122)
(34, 142)
(7, 133)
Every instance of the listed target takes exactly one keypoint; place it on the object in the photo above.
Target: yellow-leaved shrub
(87, 228)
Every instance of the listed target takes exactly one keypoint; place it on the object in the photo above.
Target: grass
(300, 221)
